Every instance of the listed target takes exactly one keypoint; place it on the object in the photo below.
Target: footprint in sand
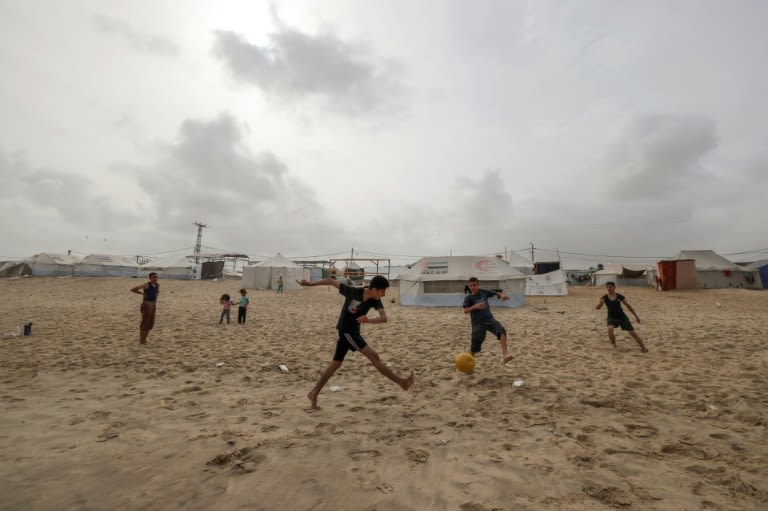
(641, 430)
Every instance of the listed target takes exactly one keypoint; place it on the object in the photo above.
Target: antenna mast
(200, 227)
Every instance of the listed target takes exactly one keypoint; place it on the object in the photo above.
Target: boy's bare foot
(506, 359)
(406, 384)
(313, 399)
(644, 350)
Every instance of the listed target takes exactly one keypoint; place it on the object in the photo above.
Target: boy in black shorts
(476, 305)
(358, 301)
(616, 315)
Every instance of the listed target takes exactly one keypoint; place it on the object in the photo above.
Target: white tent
(624, 274)
(440, 281)
(102, 265)
(520, 263)
(175, 268)
(714, 271)
(51, 265)
(547, 284)
(265, 274)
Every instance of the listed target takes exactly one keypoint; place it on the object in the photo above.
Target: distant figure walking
(616, 315)
(280, 284)
(357, 302)
(241, 307)
(150, 291)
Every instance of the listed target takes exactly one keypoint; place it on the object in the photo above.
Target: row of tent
(261, 276)
(439, 281)
(689, 269)
(424, 282)
(60, 265)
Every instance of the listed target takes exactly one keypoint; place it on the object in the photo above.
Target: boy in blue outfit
(358, 301)
(476, 305)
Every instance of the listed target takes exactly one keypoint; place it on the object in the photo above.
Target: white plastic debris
(283, 368)
(335, 388)
(220, 364)
(518, 383)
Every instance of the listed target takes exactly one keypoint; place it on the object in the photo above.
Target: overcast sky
(397, 128)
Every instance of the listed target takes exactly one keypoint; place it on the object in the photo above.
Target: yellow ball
(465, 362)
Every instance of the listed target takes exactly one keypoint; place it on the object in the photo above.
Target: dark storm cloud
(658, 156)
(297, 65)
(60, 197)
(141, 41)
(249, 199)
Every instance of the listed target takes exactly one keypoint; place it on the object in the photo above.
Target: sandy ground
(203, 418)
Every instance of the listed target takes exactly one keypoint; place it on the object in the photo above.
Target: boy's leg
(639, 341)
(221, 317)
(327, 374)
(611, 335)
(478, 337)
(405, 383)
(504, 357)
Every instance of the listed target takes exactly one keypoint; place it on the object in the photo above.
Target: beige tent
(265, 274)
(714, 271)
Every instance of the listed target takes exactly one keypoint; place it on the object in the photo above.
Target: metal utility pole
(532, 262)
(200, 227)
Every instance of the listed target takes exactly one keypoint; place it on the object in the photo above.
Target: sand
(203, 418)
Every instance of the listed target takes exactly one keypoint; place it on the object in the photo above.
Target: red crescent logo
(481, 264)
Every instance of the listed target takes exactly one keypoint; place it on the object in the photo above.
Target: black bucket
(28, 329)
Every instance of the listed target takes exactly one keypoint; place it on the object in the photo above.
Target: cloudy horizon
(600, 132)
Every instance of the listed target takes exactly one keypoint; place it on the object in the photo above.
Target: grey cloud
(141, 41)
(250, 200)
(296, 65)
(658, 155)
(55, 195)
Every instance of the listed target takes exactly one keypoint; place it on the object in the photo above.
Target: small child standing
(226, 303)
(242, 306)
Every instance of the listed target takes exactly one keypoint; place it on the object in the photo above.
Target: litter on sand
(518, 383)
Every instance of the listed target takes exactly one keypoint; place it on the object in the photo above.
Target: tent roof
(170, 262)
(109, 260)
(50, 258)
(706, 260)
(756, 265)
(461, 268)
(278, 261)
(518, 261)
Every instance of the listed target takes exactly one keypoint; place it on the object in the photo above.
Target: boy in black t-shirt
(616, 315)
(358, 301)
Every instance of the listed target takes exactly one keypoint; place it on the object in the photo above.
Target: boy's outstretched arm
(321, 282)
(632, 311)
(601, 302)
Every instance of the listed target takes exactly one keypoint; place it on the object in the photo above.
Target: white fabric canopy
(440, 281)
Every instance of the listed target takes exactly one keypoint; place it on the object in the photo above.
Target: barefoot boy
(358, 301)
(476, 305)
(616, 315)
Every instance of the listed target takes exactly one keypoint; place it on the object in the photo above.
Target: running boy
(476, 305)
(616, 315)
(358, 301)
